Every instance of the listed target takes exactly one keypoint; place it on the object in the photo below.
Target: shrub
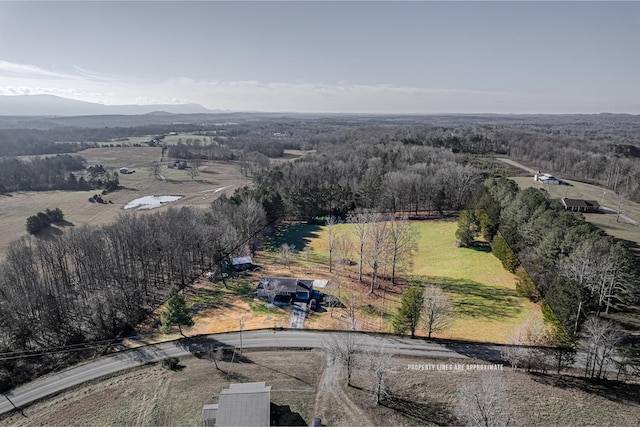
(35, 224)
(171, 363)
(55, 215)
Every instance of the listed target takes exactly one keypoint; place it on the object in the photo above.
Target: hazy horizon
(331, 57)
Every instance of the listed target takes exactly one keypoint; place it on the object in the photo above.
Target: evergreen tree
(176, 313)
(468, 228)
(409, 312)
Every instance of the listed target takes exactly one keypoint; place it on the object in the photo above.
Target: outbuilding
(579, 205)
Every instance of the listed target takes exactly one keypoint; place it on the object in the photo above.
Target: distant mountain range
(51, 105)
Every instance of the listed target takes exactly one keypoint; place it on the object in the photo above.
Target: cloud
(95, 75)
(28, 70)
(298, 96)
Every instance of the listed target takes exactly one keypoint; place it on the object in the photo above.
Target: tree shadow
(615, 391)
(480, 246)
(437, 413)
(298, 235)
(281, 415)
(48, 233)
(202, 347)
(65, 223)
(474, 299)
(280, 372)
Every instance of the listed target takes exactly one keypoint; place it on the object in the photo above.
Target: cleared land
(486, 304)
(200, 191)
(621, 229)
(305, 386)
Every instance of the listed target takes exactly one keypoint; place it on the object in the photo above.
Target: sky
(303, 56)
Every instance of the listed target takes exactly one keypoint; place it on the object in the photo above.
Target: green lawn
(486, 304)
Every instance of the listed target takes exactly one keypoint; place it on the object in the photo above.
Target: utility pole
(241, 337)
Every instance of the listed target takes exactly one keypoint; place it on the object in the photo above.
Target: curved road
(49, 385)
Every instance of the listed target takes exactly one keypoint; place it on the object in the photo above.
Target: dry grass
(151, 395)
(430, 397)
(15, 209)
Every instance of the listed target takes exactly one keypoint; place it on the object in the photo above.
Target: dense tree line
(390, 177)
(94, 283)
(67, 139)
(602, 149)
(577, 268)
(42, 173)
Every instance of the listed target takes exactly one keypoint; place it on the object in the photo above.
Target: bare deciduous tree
(351, 305)
(155, 170)
(600, 338)
(331, 239)
(379, 360)
(524, 340)
(285, 253)
(403, 244)
(484, 403)
(343, 348)
(378, 232)
(360, 225)
(437, 312)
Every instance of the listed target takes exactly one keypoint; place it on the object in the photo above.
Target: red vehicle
(313, 305)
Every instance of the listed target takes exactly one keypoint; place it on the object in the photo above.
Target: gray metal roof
(245, 404)
(290, 284)
(209, 412)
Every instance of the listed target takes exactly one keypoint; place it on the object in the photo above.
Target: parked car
(313, 305)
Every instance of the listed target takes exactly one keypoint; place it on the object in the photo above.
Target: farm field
(580, 190)
(304, 387)
(224, 177)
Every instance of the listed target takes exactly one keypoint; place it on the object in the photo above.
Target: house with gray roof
(240, 405)
(578, 205)
(286, 288)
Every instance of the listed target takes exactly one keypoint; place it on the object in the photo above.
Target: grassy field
(486, 304)
(167, 140)
(580, 190)
(302, 389)
(15, 208)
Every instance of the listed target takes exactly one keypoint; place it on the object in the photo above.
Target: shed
(546, 178)
(242, 263)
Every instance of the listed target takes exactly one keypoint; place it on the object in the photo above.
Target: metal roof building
(246, 404)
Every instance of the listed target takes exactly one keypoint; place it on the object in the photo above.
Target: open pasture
(199, 191)
(486, 304)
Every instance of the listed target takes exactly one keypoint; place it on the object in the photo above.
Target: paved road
(43, 387)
